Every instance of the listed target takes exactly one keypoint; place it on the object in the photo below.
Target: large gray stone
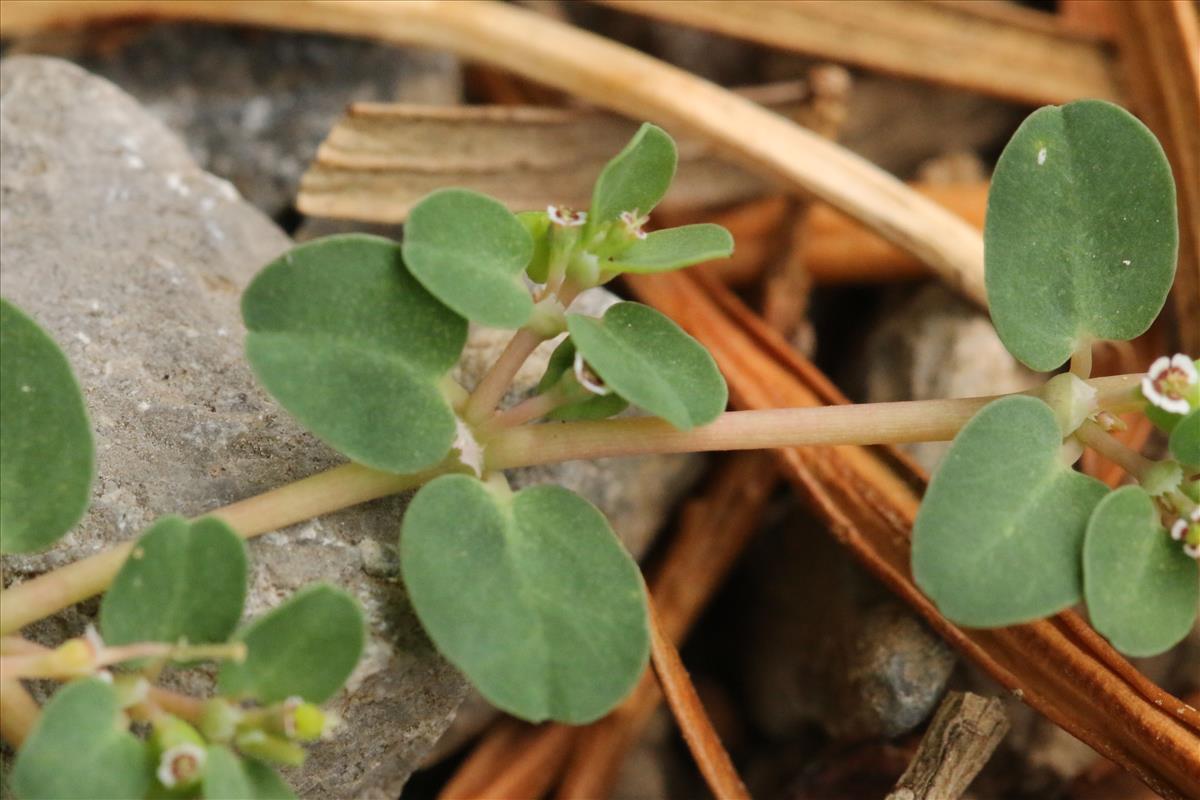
(932, 344)
(825, 643)
(134, 258)
(252, 104)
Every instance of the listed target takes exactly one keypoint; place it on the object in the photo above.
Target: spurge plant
(530, 593)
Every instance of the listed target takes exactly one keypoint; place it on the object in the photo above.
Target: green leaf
(998, 536)
(81, 748)
(353, 346)
(1185, 439)
(674, 248)
(537, 225)
(649, 360)
(228, 776)
(183, 581)
(1141, 589)
(636, 178)
(469, 251)
(562, 364)
(531, 595)
(306, 647)
(46, 458)
(1081, 235)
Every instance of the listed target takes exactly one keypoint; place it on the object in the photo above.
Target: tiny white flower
(634, 223)
(1169, 382)
(1179, 529)
(566, 217)
(588, 379)
(181, 765)
(1187, 530)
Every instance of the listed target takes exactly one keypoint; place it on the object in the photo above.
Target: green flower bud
(259, 744)
(220, 720)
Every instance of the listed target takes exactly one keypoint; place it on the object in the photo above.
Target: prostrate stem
(351, 484)
(527, 410)
(867, 424)
(495, 383)
(337, 488)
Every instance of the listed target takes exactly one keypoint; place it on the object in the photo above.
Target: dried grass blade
(1015, 54)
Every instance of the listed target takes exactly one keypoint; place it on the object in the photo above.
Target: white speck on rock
(134, 161)
(1041, 156)
(83, 337)
(143, 406)
(176, 184)
(256, 114)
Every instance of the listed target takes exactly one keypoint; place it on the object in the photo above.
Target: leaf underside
(46, 454)
(183, 581)
(531, 595)
(997, 539)
(1081, 235)
(354, 347)
(651, 362)
(80, 749)
(469, 251)
(1141, 588)
(306, 647)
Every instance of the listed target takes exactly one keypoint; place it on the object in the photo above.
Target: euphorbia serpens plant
(530, 593)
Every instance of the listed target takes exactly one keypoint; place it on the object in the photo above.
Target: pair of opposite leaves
(1080, 245)
(355, 334)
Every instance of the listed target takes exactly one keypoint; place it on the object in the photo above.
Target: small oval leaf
(997, 539)
(1081, 234)
(531, 595)
(353, 346)
(183, 581)
(46, 454)
(651, 362)
(469, 251)
(80, 749)
(674, 248)
(306, 647)
(636, 178)
(1140, 587)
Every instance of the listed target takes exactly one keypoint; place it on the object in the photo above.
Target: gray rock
(826, 643)
(934, 344)
(254, 104)
(134, 258)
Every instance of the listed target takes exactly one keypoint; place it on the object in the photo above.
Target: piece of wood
(958, 743)
(514, 759)
(869, 498)
(997, 49)
(381, 159)
(609, 75)
(714, 762)
(1159, 47)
